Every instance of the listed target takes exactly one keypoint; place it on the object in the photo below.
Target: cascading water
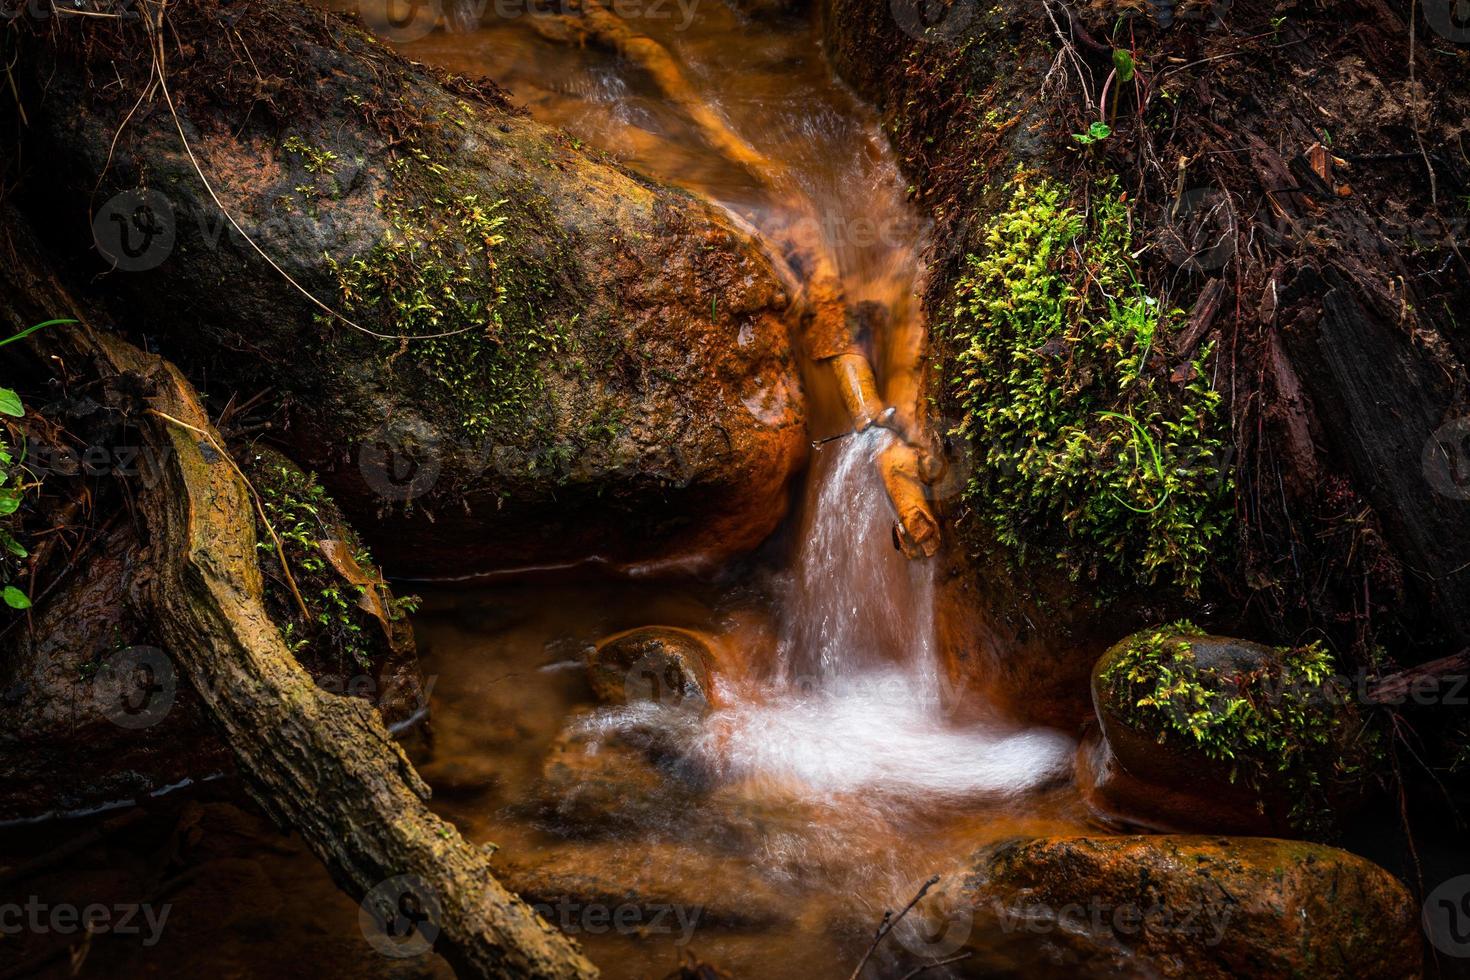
(834, 763)
(857, 701)
(855, 603)
(852, 696)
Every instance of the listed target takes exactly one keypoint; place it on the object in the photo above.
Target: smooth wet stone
(1184, 906)
(654, 663)
(663, 889)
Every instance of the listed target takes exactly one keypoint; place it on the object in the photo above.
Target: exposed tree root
(321, 764)
(828, 337)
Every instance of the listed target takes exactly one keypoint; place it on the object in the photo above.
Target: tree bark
(321, 764)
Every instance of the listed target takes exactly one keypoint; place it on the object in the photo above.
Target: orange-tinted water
(838, 773)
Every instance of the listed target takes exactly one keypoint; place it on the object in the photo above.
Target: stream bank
(809, 787)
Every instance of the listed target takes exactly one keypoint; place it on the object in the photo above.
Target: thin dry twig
(1413, 97)
(934, 966)
(889, 921)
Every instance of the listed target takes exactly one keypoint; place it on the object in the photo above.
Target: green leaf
(9, 504)
(15, 598)
(30, 330)
(1096, 133)
(1123, 63)
(10, 403)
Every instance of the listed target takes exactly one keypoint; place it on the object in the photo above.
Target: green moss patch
(1086, 434)
(440, 274)
(1285, 726)
(339, 633)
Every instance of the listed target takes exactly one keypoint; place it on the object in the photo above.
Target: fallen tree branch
(1395, 688)
(889, 921)
(321, 764)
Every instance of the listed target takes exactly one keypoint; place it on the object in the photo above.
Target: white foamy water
(880, 733)
(857, 703)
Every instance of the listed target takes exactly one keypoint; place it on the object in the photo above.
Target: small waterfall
(857, 604)
(857, 701)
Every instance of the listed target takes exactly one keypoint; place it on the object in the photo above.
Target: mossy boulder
(1210, 733)
(1181, 906)
(501, 347)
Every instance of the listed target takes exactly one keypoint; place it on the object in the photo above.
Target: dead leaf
(371, 601)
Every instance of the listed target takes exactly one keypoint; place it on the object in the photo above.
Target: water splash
(857, 702)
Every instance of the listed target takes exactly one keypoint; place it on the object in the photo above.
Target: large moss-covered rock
(1199, 907)
(602, 364)
(1211, 733)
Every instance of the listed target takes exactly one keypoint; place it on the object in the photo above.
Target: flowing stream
(835, 774)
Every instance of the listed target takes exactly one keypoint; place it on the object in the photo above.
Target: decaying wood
(1381, 397)
(917, 530)
(1207, 310)
(859, 389)
(321, 764)
(1397, 688)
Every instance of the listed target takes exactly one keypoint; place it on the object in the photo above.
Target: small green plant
(1282, 727)
(303, 516)
(1123, 64)
(315, 159)
(12, 485)
(1095, 134)
(1080, 436)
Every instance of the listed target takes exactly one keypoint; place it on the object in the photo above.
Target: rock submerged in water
(1185, 906)
(1208, 733)
(653, 663)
